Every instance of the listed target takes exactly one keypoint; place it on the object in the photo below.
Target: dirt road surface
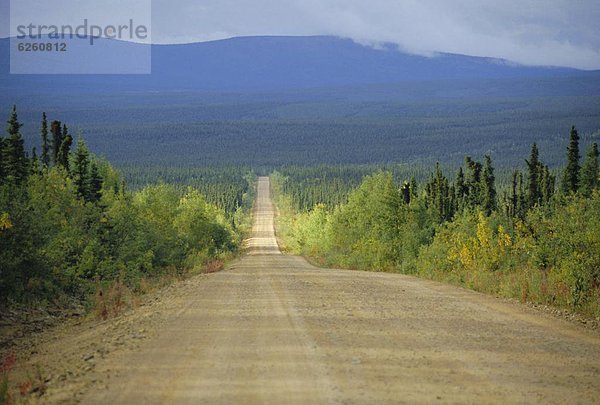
(272, 328)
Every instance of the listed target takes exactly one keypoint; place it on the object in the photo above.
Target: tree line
(69, 225)
(535, 240)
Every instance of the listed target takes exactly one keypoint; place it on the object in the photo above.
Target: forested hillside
(418, 123)
(535, 238)
(70, 227)
(245, 64)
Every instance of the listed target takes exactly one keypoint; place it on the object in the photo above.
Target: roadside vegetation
(527, 239)
(70, 229)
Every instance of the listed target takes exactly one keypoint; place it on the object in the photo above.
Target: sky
(531, 32)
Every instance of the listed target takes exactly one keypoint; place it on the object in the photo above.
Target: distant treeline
(70, 227)
(187, 130)
(537, 240)
(225, 186)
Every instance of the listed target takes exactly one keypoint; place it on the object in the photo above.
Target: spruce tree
(45, 153)
(514, 195)
(473, 181)
(438, 195)
(413, 187)
(34, 164)
(95, 184)
(570, 183)
(461, 190)
(57, 140)
(518, 202)
(547, 184)
(65, 149)
(488, 186)
(2, 176)
(534, 194)
(589, 171)
(14, 161)
(81, 170)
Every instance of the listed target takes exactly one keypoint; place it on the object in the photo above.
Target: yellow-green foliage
(310, 231)
(5, 221)
(470, 250)
(364, 232)
(53, 242)
(552, 257)
(285, 215)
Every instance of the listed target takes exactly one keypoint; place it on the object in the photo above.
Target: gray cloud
(547, 32)
(544, 32)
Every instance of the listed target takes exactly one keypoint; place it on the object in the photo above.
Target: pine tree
(14, 161)
(473, 181)
(570, 183)
(514, 195)
(437, 195)
(34, 163)
(461, 190)
(523, 198)
(95, 184)
(518, 202)
(413, 187)
(81, 169)
(589, 171)
(547, 184)
(534, 194)
(45, 156)
(488, 187)
(65, 149)
(2, 176)
(57, 140)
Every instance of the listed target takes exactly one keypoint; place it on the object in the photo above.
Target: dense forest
(226, 187)
(265, 131)
(535, 238)
(70, 228)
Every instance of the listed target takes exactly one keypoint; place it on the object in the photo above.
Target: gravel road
(272, 328)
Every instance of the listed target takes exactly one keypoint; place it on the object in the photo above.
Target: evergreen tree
(514, 195)
(34, 167)
(95, 184)
(461, 190)
(534, 194)
(2, 143)
(413, 188)
(518, 202)
(589, 171)
(488, 187)
(473, 181)
(81, 170)
(523, 201)
(547, 184)
(45, 156)
(65, 149)
(14, 160)
(57, 140)
(437, 195)
(570, 183)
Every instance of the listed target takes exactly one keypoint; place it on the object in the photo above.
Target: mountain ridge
(277, 63)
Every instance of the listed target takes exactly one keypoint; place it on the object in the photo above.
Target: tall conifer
(570, 183)
(45, 152)
(589, 171)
